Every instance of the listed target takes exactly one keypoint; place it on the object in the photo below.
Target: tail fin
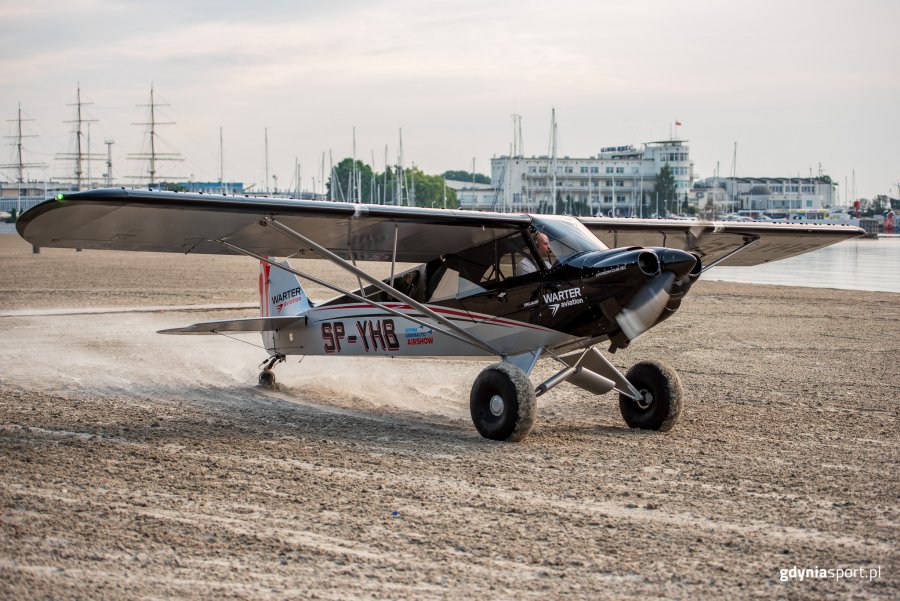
(280, 292)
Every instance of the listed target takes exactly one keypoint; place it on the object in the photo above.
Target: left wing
(120, 219)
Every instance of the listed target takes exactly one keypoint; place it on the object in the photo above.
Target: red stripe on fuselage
(473, 317)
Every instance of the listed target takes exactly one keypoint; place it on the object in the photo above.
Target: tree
(429, 189)
(578, 208)
(424, 190)
(665, 187)
(465, 176)
(344, 173)
(880, 204)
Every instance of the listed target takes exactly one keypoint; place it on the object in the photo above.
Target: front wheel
(662, 397)
(503, 403)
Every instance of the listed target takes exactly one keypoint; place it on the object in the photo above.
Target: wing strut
(352, 295)
(327, 254)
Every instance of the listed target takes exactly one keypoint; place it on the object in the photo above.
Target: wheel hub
(646, 399)
(496, 405)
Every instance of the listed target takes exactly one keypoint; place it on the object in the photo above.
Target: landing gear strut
(267, 376)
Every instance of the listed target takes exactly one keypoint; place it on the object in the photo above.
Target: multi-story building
(618, 181)
(774, 195)
(473, 196)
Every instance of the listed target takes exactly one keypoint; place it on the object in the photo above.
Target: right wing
(715, 240)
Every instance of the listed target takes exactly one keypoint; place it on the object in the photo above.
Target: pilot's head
(543, 245)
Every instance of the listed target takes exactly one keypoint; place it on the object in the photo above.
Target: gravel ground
(140, 466)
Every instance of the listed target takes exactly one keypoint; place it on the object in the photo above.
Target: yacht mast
(553, 164)
(221, 162)
(400, 171)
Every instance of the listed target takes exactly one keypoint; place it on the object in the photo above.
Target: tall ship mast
(154, 155)
(81, 155)
(20, 165)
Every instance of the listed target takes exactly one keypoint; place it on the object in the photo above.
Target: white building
(774, 195)
(473, 196)
(618, 181)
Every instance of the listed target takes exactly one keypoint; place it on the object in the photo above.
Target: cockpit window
(481, 268)
(567, 235)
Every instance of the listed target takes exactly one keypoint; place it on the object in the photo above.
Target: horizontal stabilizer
(249, 324)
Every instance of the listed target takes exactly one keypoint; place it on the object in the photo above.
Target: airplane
(510, 287)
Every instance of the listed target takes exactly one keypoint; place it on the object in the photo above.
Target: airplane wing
(142, 220)
(757, 242)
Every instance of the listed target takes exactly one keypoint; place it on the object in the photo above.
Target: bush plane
(512, 287)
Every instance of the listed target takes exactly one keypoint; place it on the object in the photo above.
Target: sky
(787, 88)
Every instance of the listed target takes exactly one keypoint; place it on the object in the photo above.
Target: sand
(141, 466)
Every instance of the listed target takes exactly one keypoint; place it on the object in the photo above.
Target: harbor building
(472, 195)
(619, 181)
(774, 196)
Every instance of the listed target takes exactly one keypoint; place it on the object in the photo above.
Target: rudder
(280, 292)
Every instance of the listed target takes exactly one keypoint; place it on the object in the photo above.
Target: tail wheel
(662, 397)
(267, 378)
(503, 403)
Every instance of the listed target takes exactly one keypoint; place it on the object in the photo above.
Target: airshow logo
(420, 335)
(288, 297)
(563, 298)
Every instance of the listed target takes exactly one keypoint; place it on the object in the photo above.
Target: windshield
(567, 235)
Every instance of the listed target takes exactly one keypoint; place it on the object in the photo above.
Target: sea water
(859, 264)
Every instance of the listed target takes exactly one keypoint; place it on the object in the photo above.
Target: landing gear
(503, 403)
(267, 376)
(662, 394)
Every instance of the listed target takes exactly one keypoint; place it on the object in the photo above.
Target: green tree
(344, 175)
(378, 188)
(578, 208)
(665, 190)
(878, 206)
(428, 190)
(465, 176)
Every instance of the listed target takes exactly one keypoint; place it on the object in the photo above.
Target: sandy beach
(141, 466)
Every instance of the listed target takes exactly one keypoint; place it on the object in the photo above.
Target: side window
(481, 268)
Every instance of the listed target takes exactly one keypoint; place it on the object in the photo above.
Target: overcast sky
(795, 83)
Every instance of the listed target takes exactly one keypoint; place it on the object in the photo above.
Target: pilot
(542, 242)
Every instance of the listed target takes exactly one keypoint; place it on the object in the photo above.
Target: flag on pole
(677, 123)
